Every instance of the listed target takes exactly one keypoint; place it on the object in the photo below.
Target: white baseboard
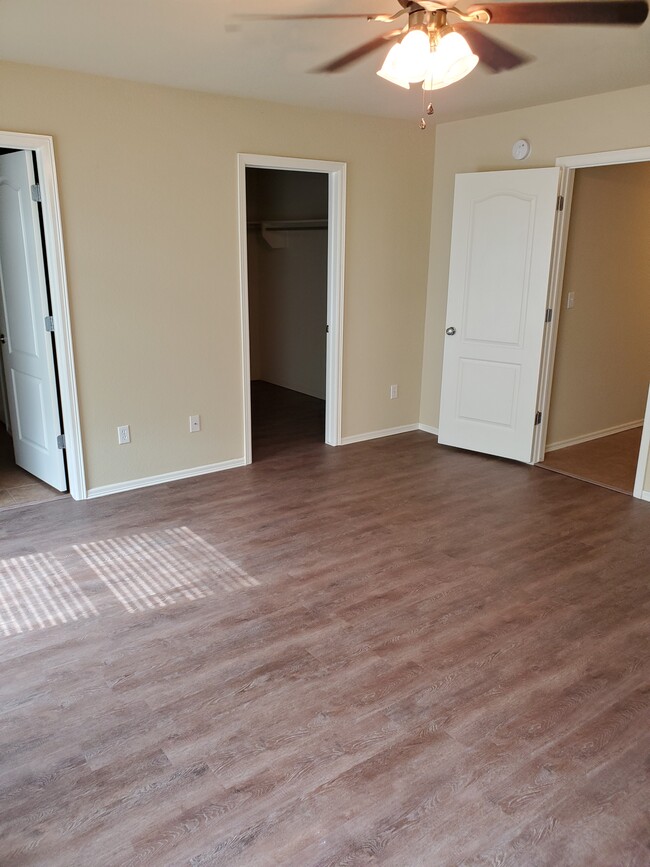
(606, 432)
(377, 434)
(645, 495)
(428, 429)
(133, 484)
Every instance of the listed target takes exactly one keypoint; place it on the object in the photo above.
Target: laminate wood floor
(388, 653)
(608, 461)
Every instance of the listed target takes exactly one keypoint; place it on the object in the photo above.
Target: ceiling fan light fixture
(391, 69)
(451, 60)
(414, 57)
(436, 74)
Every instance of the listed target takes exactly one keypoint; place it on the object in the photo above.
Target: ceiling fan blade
(367, 16)
(493, 54)
(358, 52)
(567, 12)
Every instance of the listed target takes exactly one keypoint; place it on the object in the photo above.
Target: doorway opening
(598, 353)
(508, 251)
(287, 225)
(38, 462)
(291, 256)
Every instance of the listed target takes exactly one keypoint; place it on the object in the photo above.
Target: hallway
(17, 487)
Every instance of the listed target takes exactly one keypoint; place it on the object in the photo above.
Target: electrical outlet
(195, 423)
(123, 434)
(393, 392)
(570, 300)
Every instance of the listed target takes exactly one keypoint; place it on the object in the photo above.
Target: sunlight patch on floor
(36, 592)
(150, 570)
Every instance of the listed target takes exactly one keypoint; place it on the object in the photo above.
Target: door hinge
(60, 441)
(560, 203)
(549, 314)
(538, 417)
(327, 329)
(36, 193)
(49, 323)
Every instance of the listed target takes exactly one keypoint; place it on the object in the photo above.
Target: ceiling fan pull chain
(428, 111)
(423, 123)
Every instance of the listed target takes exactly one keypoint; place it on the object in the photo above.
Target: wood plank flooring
(608, 461)
(388, 653)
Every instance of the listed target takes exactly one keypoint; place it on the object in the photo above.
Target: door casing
(43, 148)
(335, 270)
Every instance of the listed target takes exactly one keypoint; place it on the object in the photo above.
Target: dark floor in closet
(284, 419)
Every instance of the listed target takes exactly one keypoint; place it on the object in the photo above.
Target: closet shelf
(284, 225)
(268, 228)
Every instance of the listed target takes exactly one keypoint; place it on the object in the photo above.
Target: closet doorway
(291, 239)
(602, 359)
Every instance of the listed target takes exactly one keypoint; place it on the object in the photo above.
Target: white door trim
(568, 166)
(604, 158)
(335, 272)
(43, 147)
(558, 259)
(642, 465)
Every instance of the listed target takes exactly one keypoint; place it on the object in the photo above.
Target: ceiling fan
(439, 43)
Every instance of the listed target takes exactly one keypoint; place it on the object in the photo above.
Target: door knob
(450, 331)
(3, 339)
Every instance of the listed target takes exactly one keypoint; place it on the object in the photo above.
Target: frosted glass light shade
(414, 56)
(392, 70)
(451, 60)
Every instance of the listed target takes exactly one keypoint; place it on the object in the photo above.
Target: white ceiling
(200, 44)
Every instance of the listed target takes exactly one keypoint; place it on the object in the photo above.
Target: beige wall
(604, 122)
(148, 191)
(148, 188)
(602, 363)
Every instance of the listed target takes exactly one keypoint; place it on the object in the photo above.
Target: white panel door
(502, 240)
(27, 351)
